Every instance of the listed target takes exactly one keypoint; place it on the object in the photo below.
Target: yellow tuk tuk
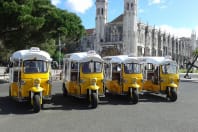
(83, 76)
(29, 76)
(161, 76)
(123, 76)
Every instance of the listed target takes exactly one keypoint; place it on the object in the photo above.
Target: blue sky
(179, 17)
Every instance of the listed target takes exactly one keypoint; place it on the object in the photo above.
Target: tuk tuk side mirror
(54, 65)
(10, 65)
(7, 70)
(118, 69)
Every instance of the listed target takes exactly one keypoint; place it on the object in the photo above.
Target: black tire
(36, 103)
(64, 90)
(134, 97)
(42, 105)
(10, 91)
(94, 100)
(173, 95)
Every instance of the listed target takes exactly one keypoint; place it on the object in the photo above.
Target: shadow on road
(123, 100)
(9, 106)
(59, 102)
(114, 99)
(154, 98)
(3, 81)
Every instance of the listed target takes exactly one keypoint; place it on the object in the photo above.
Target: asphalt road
(114, 114)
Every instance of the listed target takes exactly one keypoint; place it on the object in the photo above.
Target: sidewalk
(194, 77)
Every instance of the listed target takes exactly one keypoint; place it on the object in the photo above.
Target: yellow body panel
(80, 88)
(73, 87)
(29, 84)
(113, 86)
(165, 80)
(14, 89)
(87, 81)
(148, 85)
(93, 87)
(129, 83)
(117, 87)
(36, 89)
(169, 80)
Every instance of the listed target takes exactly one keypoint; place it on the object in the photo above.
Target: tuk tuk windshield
(92, 67)
(35, 66)
(132, 68)
(169, 69)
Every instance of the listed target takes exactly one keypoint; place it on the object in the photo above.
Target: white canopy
(157, 60)
(116, 59)
(121, 59)
(131, 60)
(32, 53)
(83, 56)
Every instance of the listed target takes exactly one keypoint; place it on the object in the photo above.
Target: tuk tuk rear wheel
(173, 95)
(9, 91)
(94, 100)
(133, 95)
(36, 103)
(64, 90)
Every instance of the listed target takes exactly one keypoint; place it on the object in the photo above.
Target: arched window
(131, 5)
(102, 11)
(98, 11)
(127, 6)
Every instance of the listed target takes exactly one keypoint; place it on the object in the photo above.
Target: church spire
(130, 27)
(101, 20)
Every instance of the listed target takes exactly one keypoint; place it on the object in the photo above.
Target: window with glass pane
(132, 68)
(169, 69)
(91, 67)
(35, 66)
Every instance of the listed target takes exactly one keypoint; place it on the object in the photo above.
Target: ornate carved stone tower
(101, 20)
(130, 27)
(193, 40)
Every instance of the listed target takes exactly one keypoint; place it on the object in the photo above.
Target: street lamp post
(59, 57)
(60, 46)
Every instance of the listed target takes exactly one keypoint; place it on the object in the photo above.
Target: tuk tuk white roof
(131, 60)
(32, 53)
(83, 56)
(157, 60)
(116, 59)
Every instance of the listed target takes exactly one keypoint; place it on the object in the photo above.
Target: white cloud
(152, 2)
(141, 10)
(177, 32)
(163, 6)
(79, 6)
(55, 2)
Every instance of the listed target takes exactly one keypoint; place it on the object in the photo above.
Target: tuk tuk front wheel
(94, 100)
(133, 95)
(173, 95)
(36, 103)
(64, 90)
(9, 91)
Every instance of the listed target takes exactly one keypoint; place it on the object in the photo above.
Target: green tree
(26, 23)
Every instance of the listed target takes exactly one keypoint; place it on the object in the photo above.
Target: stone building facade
(126, 35)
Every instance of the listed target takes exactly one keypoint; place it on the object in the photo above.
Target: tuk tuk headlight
(82, 81)
(49, 81)
(37, 82)
(103, 81)
(93, 81)
(134, 80)
(22, 82)
(125, 81)
(171, 80)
